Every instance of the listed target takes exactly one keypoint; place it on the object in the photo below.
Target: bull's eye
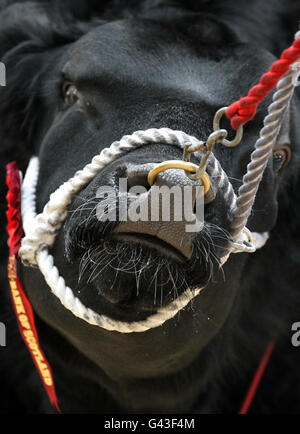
(281, 158)
(70, 93)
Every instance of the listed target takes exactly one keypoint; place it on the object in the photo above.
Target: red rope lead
(257, 378)
(244, 110)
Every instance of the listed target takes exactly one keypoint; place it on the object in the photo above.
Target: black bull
(81, 77)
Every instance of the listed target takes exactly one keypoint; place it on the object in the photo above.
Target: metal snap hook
(206, 149)
(216, 126)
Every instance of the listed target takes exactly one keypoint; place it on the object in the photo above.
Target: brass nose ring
(177, 164)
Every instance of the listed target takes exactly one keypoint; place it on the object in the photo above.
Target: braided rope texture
(41, 230)
(244, 110)
(263, 150)
(73, 304)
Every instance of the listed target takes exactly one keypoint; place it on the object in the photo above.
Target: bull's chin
(129, 277)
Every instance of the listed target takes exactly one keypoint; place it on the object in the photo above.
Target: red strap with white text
(21, 303)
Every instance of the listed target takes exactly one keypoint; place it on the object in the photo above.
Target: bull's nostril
(210, 196)
(119, 173)
(135, 175)
(139, 179)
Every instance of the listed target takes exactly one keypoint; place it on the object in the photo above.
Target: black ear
(29, 33)
(19, 25)
(49, 22)
(28, 30)
(21, 22)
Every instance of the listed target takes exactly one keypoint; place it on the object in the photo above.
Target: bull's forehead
(146, 55)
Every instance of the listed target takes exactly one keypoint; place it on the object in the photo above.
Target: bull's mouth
(152, 242)
(131, 275)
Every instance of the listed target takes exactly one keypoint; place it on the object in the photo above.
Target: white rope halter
(41, 230)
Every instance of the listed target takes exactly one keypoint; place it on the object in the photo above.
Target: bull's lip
(97, 293)
(152, 242)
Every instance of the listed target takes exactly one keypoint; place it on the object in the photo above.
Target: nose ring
(177, 164)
